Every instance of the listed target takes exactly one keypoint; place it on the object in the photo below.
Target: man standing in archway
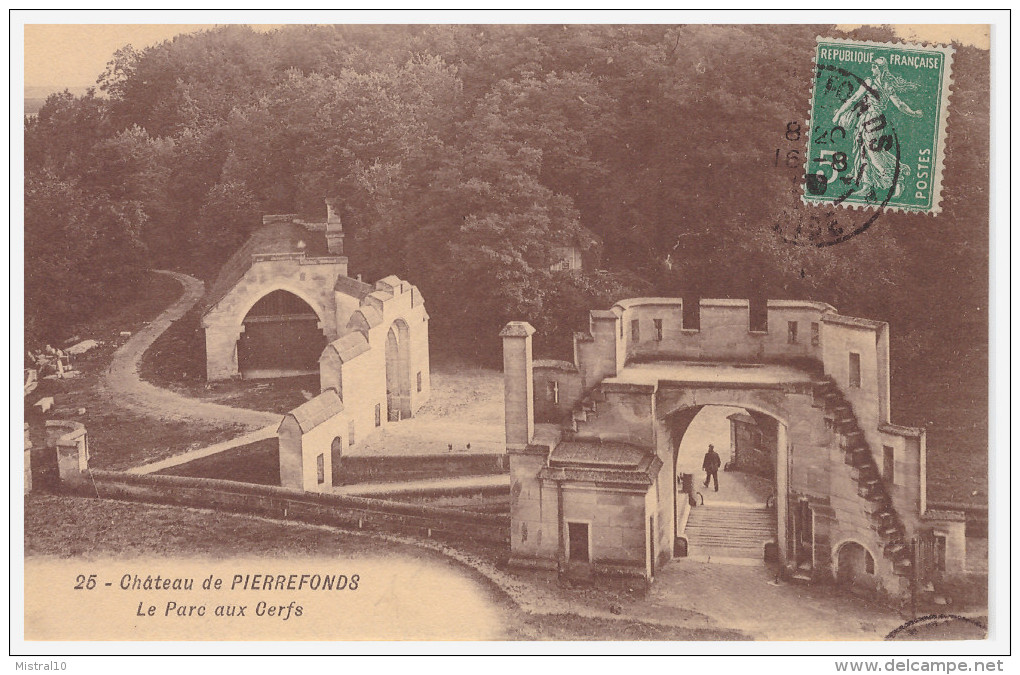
(711, 465)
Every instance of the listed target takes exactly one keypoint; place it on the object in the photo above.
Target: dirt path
(122, 381)
(742, 598)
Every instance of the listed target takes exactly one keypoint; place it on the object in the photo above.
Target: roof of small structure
(274, 238)
(957, 516)
(369, 314)
(350, 346)
(579, 236)
(602, 462)
(854, 321)
(393, 281)
(517, 329)
(311, 414)
(352, 287)
(596, 452)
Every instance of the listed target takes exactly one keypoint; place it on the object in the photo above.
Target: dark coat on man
(712, 461)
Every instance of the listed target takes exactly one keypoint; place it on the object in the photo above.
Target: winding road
(122, 380)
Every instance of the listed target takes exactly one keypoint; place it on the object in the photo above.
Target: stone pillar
(292, 470)
(334, 229)
(518, 384)
(71, 442)
(782, 490)
(221, 351)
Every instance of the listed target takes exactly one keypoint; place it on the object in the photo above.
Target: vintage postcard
(473, 333)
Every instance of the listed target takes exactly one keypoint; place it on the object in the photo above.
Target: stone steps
(729, 534)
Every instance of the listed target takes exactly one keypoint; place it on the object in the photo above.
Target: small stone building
(579, 250)
(283, 305)
(312, 441)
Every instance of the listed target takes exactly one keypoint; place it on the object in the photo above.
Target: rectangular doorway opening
(691, 319)
(577, 534)
(758, 315)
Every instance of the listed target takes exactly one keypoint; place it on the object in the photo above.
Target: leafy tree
(82, 254)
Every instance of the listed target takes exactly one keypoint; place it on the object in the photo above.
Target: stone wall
(557, 389)
(534, 540)
(354, 513)
(71, 441)
(651, 328)
(869, 340)
(616, 527)
(361, 384)
(358, 371)
(416, 467)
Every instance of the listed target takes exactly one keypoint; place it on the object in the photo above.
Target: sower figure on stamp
(875, 167)
(711, 465)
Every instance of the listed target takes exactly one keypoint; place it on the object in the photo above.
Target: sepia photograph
(639, 330)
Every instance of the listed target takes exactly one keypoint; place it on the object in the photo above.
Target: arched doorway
(855, 566)
(281, 337)
(336, 454)
(398, 371)
(738, 519)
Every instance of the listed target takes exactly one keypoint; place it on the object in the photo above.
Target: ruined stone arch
(748, 399)
(675, 418)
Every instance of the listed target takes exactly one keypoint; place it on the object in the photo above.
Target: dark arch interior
(854, 563)
(281, 337)
(747, 448)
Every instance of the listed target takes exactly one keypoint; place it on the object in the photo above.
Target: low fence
(354, 513)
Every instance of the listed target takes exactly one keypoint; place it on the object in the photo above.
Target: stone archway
(398, 371)
(739, 520)
(855, 566)
(281, 335)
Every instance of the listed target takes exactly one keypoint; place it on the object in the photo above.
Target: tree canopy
(461, 156)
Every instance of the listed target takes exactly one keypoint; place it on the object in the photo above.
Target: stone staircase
(857, 454)
(734, 533)
(584, 411)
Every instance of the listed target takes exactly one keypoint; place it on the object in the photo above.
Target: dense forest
(461, 155)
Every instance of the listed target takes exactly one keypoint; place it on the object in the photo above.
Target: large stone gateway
(281, 335)
(594, 445)
(284, 305)
(282, 295)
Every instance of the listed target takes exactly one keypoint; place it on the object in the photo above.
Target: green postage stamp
(878, 125)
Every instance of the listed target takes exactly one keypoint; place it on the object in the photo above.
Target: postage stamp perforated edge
(941, 132)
